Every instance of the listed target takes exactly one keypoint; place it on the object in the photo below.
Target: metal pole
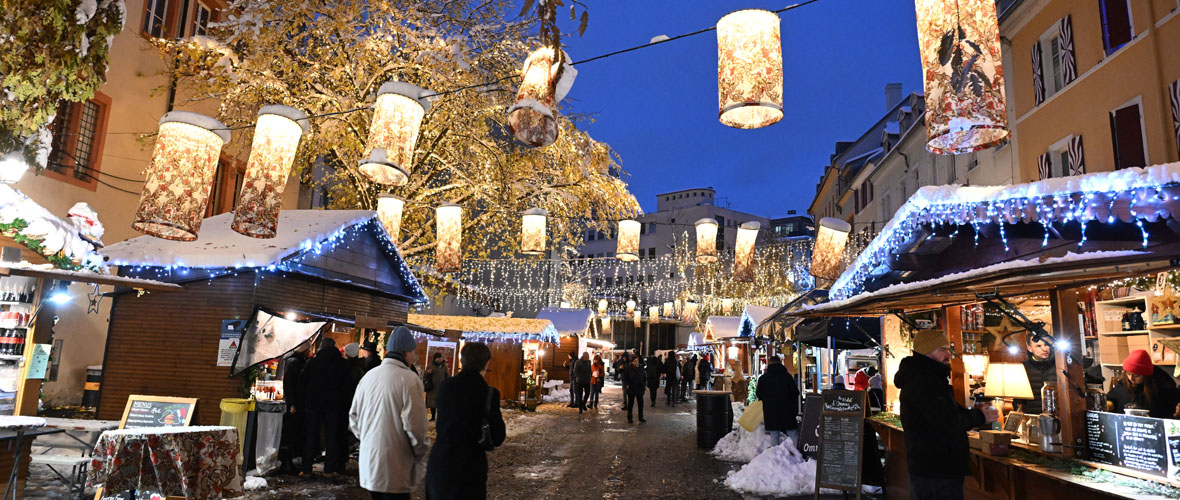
(647, 340)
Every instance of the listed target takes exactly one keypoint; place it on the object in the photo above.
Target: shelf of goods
(1120, 331)
(15, 312)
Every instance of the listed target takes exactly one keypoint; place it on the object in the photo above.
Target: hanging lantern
(604, 323)
(533, 117)
(960, 49)
(706, 241)
(653, 314)
(532, 231)
(397, 121)
(689, 315)
(602, 303)
(449, 250)
(669, 310)
(638, 318)
(726, 306)
(828, 254)
(749, 69)
(679, 307)
(743, 252)
(276, 138)
(628, 250)
(180, 176)
(630, 306)
(389, 212)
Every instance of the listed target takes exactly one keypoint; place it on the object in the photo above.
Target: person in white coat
(388, 416)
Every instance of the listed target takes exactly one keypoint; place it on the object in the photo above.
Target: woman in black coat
(780, 400)
(672, 382)
(458, 466)
(654, 370)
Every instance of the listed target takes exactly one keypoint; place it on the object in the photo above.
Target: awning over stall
(269, 336)
(844, 332)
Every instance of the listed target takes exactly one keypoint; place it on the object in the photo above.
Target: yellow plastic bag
(752, 416)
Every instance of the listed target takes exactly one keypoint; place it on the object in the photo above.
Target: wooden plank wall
(555, 357)
(165, 344)
(504, 369)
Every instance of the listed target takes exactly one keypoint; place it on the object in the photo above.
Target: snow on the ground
(253, 483)
(778, 471)
(549, 384)
(741, 445)
(557, 396)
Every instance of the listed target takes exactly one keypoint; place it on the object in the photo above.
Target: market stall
(574, 326)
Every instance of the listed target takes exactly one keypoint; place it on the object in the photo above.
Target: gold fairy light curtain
(393, 133)
(180, 176)
(749, 69)
(276, 139)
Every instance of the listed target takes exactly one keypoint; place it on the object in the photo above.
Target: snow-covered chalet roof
(75, 239)
(723, 327)
(752, 316)
(568, 321)
(490, 328)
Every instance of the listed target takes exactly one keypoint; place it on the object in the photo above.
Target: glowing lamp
(743, 252)
(602, 303)
(749, 69)
(1007, 381)
(726, 306)
(669, 310)
(630, 306)
(827, 256)
(276, 138)
(653, 314)
(397, 122)
(638, 318)
(733, 351)
(706, 241)
(628, 249)
(449, 250)
(532, 118)
(12, 167)
(604, 323)
(180, 176)
(975, 364)
(689, 314)
(389, 212)
(532, 231)
(964, 81)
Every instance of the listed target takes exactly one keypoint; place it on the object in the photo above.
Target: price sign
(841, 439)
(157, 411)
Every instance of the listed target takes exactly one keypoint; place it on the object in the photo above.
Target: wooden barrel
(714, 417)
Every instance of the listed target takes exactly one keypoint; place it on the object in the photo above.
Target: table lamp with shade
(1005, 382)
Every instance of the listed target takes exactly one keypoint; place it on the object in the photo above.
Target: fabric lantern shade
(653, 314)
(964, 81)
(397, 122)
(638, 318)
(532, 231)
(743, 252)
(449, 250)
(532, 118)
(604, 323)
(827, 256)
(276, 139)
(726, 306)
(602, 303)
(180, 176)
(706, 241)
(389, 212)
(630, 306)
(689, 314)
(669, 310)
(1007, 380)
(749, 69)
(628, 249)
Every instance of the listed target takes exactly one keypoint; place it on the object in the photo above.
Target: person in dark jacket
(436, 372)
(458, 466)
(582, 372)
(573, 382)
(688, 378)
(1041, 368)
(654, 369)
(634, 383)
(597, 379)
(371, 356)
(705, 370)
(355, 369)
(780, 401)
(324, 383)
(671, 380)
(935, 424)
(293, 427)
(1145, 386)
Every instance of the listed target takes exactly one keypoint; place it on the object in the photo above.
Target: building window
(651, 253)
(201, 19)
(590, 234)
(652, 229)
(973, 162)
(1126, 131)
(1116, 24)
(78, 133)
(1051, 60)
(154, 17)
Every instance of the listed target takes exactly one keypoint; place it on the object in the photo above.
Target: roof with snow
(568, 321)
(67, 244)
(752, 317)
(723, 327)
(491, 328)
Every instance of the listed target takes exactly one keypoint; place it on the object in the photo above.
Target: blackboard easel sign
(841, 439)
(157, 411)
(809, 432)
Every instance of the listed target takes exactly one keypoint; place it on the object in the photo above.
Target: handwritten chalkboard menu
(157, 411)
(809, 432)
(841, 434)
(1138, 443)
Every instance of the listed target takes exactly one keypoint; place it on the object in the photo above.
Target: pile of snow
(253, 483)
(557, 396)
(549, 384)
(778, 471)
(741, 445)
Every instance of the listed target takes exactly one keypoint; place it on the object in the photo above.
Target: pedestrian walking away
(688, 380)
(582, 371)
(573, 382)
(458, 466)
(671, 380)
(634, 383)
(597, 379)
(705, 370)
(654, 369)
(780, 401)
(292, 440)
(436, 372)
(324, 381)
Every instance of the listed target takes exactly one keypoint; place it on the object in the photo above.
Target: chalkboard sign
(157, 411)
(1137, 443)
(841, 434)
(1012, 424)
(809, 432)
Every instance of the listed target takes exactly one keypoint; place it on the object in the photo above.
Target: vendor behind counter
(1040, 366)
(1145, 386)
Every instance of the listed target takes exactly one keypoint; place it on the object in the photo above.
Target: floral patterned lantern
(749, 69)
(397, 121)
(533, 117)
(180, 176)
(604, 323)
(602, 303)
(743, 252)
(630, 306)
(449, 252)
(276, 138)
(726, 306)
(689, 315)
(532, 231)
(960, 50)
(628, 249)
(707, 241)
(638, 318)
(828, 254)
(669, 310)
(653, 314)
(389, 212)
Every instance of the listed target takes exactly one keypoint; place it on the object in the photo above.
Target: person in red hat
(1145, 386)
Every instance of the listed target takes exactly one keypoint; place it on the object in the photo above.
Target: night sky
(657, 107)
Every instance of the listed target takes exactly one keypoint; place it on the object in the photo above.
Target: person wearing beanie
(1144, 386)
(935, 424)
(324, 382)
(388, 416)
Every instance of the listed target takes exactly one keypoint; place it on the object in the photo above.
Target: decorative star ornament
(94, 297)
(1006, 327)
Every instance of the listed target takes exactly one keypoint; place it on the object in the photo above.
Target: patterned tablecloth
(197, 463)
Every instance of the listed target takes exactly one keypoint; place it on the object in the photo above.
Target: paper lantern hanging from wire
(604, 324)
(276, 139)
(180, 176)
(688, 316)
(397, 122)
(602, 303)
(532, 118)
(389, 212)
(743, 252)
(532, 231)
(827, 256)
(638, 318)
(706, 240)
(653, 314)
(630, 306)
(628, 247)
(669, 310)
(726, 306)
(449, 250)
(749, 69)
(964, 80)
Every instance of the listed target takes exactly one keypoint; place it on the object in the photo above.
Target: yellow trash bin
(235, 412)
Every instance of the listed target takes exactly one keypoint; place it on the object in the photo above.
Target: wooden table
(14, 430)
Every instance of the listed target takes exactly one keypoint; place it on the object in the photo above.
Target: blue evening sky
(658, 106)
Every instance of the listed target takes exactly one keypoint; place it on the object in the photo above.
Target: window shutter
(1077, 159)
(1069, 66)
(1174, 91)
(1043, 166)
(1038, 77)
(1128, 138)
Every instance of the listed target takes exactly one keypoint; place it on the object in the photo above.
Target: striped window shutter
(1038, 77)
(1077, 159)
(1069, 66)
(1043, 166)
(1174, 91)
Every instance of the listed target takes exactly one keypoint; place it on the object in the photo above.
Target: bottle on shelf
(32, 294)
(24, 295)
